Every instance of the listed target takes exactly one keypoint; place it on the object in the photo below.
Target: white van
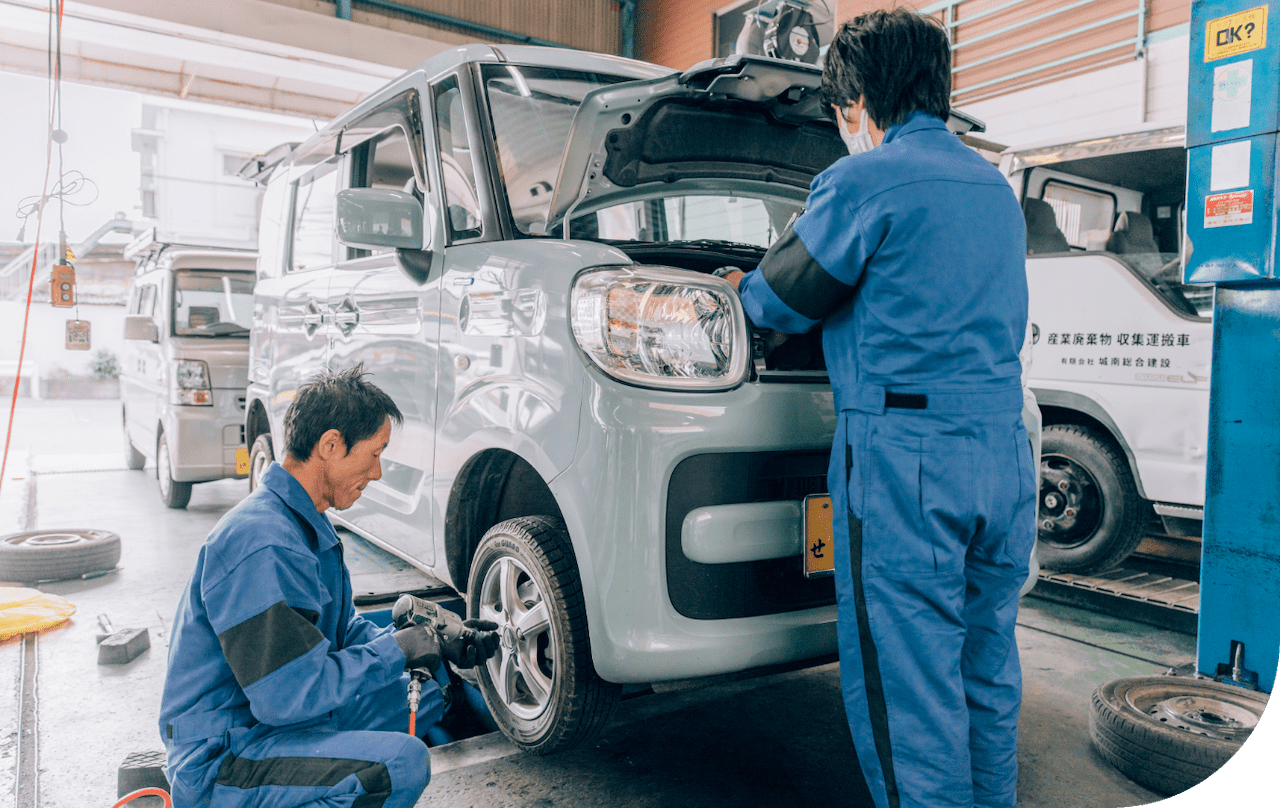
(185, 366)
(1122, 345)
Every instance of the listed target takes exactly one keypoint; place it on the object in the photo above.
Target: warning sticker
(1225, 210)
(1235, 34)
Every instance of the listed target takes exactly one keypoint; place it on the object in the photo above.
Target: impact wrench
(465, 643)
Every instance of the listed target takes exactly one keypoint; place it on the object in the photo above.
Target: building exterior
(1033, 70)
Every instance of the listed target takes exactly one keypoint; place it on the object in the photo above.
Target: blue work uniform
(278, 693)
(912, 256)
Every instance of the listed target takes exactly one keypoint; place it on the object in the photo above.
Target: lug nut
(1062, 485)
(1071, 511)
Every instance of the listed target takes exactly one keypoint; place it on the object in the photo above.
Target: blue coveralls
(912, 256)
(278, 693)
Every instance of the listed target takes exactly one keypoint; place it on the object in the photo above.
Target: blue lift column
(1233, 122)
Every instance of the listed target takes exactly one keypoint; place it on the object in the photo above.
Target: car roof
(524, 55)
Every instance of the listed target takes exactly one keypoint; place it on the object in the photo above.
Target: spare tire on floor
(1168, 733)
(55, 555)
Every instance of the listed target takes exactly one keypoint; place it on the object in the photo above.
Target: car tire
(541, 686)
(133, 459)
(261, 455)
(1090, 516)
(56, 555)
(1168, 733)
(173, 493)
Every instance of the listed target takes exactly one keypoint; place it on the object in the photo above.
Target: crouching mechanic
(278, 693)
(911, 254)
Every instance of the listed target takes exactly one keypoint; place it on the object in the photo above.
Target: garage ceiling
(247, 53)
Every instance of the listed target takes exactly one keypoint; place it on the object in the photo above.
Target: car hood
(734, 123)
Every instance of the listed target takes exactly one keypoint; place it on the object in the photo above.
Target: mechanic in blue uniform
(911, 253)
(278, 693)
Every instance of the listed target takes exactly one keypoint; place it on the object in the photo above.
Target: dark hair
(340, 400)
(898, 60)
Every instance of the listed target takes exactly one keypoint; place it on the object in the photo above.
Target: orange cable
(31, 281)
(146, 792)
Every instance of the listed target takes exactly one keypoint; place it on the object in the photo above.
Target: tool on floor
(119, 647)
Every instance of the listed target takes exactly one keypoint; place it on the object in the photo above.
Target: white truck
(1122, 346)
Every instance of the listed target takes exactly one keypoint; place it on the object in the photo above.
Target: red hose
(146, 792)
(413, 722)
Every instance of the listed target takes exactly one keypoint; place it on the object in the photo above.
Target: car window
(1084, 216)
(532, 109)
(457, 168)
(740, 219)
(384, 162)
(147, 300)
(315, 199)
(212, 303)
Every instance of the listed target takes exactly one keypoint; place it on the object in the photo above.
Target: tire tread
(590, 703)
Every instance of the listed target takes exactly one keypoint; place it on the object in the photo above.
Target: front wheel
(541, 686)
(1090, 514)
(174, 493)
(133, 459)
(261, 456)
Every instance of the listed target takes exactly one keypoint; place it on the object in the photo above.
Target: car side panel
(1092, 313)
(509, 371)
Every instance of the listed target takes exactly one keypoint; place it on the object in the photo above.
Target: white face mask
(856, 143)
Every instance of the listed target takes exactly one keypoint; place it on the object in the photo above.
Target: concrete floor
(778, 740)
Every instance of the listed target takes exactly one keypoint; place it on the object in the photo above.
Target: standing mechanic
(911, 254)
(278, 693)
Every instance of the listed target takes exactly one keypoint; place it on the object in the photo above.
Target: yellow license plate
(242, 460)
(819, 557)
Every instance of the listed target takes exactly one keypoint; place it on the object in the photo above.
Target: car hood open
(738, 121)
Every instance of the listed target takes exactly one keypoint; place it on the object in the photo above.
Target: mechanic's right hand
(469, 643)
(421, 646)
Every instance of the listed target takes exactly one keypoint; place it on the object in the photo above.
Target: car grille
(748, 588)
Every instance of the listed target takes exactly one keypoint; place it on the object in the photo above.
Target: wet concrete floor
(778, 740)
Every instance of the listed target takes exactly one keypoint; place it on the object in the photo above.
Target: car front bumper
(203, 440)
(656, 613)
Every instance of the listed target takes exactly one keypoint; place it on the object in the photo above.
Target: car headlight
(662, 328)
(191, 383)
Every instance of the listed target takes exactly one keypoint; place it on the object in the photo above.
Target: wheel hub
(1205, 715)
(1070, 502)
(524, 669)
(51, 539)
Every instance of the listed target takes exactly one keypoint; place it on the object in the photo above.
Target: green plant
(104, 365)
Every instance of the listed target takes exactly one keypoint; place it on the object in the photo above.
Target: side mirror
(375, 218)
(140, 326)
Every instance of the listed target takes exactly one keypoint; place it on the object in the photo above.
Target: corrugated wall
(593, 25)
(678, 33)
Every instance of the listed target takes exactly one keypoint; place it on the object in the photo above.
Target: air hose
(146, 792)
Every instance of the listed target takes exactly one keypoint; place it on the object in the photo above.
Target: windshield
(703, 217)
(532, 109)
(212, 303)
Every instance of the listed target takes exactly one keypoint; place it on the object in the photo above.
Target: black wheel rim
(1070, 502)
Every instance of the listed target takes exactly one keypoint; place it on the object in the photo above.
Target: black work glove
(421, 646)
(467, 643)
